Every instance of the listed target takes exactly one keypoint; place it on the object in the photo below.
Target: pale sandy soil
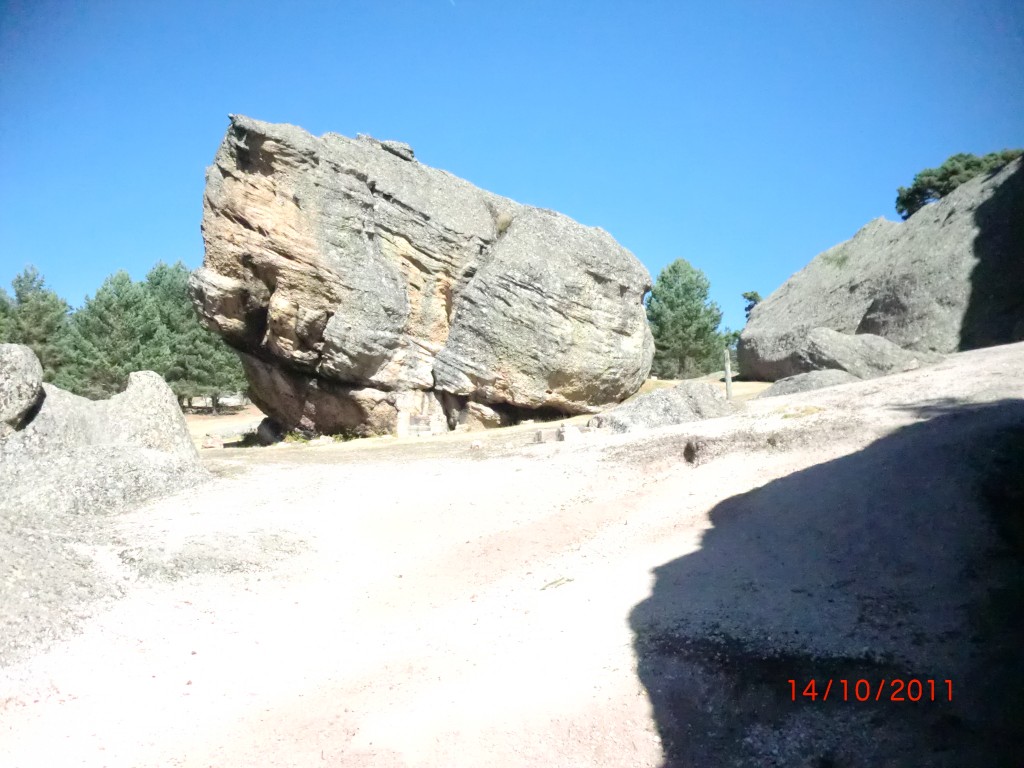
(635, 600)
(226, 426)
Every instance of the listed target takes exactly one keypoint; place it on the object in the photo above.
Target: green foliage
(199, 363)
(753, 298)
(117, 331)
(127, 326)
(36, 317)
(684, 323)
(6, 314)
(933, 184)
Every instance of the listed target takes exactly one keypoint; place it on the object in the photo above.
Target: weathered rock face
(949, 278)
(688, 401)
(73, 455)
(21, 385)
(350, 275)
(864, 355)
(806, 382)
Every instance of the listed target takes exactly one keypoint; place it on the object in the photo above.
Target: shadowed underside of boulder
(949, 278)
(350, 276)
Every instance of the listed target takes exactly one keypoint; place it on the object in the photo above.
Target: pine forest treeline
(125, 326)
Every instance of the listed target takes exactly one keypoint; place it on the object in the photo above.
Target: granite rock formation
(951, 277)
(864, 355)
(365, 289)
(21, 385)
(70, 455)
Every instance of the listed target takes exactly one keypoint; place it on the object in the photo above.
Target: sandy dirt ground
(227, 426)
(633, 600)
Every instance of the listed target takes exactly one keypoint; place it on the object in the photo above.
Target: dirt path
(626, 600)
(225, 426)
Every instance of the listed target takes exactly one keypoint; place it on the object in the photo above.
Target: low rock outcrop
(806, 382)
(75, 455)
(688, 401)
(862, 355)
(949, 278)
(363, 288)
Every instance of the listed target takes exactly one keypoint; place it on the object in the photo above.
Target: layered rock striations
(364, 289)
(949, 278)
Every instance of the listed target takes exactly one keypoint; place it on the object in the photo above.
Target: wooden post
(728, 375)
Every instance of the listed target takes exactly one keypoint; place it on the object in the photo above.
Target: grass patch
(838, 260)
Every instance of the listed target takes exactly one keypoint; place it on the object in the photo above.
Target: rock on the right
(949, 278)
(806, 382)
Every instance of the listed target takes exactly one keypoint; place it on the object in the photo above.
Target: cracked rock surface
(350, 275)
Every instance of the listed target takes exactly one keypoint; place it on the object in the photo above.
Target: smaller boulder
(21, 385)
(805, 382)
(689, 401)
(864, 355)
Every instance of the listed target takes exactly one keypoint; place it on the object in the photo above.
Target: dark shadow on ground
(886, 564)
(995, 309)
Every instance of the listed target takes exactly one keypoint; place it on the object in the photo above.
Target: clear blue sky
(745, 137)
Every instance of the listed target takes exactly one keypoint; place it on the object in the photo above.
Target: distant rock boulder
(688, 401)
(806, 382)
(949, 278)
(364, 289)
(81, 456)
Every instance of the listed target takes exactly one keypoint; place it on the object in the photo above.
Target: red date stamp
(871, 690)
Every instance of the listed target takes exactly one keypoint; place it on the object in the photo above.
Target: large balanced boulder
(688, 401)
(363, 288)
(82, 456)
(949, 278)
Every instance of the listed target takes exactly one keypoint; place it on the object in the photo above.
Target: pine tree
(684, 323)
(753, 298)
(200, 363)
(933, 184)
(116, 332)
(6, 315)
(36, 317)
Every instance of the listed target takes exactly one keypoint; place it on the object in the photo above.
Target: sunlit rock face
(365, 289)
(951, 277)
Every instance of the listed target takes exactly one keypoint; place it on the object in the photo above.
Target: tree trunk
(214, 403)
